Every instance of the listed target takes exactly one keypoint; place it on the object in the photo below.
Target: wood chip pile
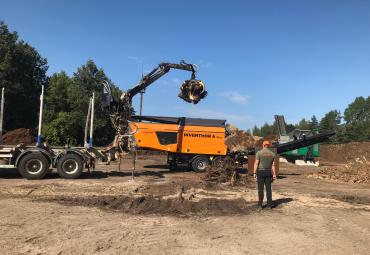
(345, 162)
(20, 135)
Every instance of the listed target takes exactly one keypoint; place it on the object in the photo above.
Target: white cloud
(235, 97)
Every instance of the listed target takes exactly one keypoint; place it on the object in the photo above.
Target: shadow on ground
(97, 174)
(281, 201)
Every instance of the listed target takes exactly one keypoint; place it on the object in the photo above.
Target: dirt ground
(175, 212)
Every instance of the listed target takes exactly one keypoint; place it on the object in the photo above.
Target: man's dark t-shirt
(266, 157)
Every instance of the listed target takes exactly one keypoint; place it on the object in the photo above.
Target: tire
(199, 164)
(70, 166)
(218, 162)
(172, 166)
(33, 166)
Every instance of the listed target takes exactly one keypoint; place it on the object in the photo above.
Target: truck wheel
(200, 163)
(33, 166)
(70, 166)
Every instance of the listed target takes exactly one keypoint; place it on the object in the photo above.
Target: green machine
(308, 153)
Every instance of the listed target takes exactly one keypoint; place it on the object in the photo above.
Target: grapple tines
(192, 91)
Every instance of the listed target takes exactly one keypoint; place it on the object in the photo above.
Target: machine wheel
(33, 166)
(218, 162)
(70, 166)
(199, 164)
(172, 166)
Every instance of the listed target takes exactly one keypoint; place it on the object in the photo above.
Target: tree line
(353, 125)
(23, 71)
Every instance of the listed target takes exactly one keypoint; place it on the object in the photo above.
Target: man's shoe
(259, 208)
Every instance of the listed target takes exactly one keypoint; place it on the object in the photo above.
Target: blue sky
(257, 58)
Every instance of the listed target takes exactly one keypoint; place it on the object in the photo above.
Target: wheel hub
(34, 166)
(70, 166)
(201, 165)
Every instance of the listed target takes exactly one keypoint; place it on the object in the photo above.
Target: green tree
(358, 111)
(22, 72)
(57, 95)
(67, 100)
(256, 131)
(289, 128)
(89, 79)
(313, 124)
(303, 124)
(63, 129)
(330, 122)
(61, 125)
(341, 134)
(357, 117)
(268, 129)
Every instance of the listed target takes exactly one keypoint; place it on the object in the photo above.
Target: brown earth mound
(20, 135)
(344, 153)
(159, 205)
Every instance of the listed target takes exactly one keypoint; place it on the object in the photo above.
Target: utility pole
(141, 102)
(141, 92)
(2, 115)
(86, 142)
(92, 121)
(40, 116)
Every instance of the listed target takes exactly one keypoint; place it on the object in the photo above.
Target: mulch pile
(345, 162)
(224, 170)
(20, 135)
(355, 171)
(239, 140)
(271, 138)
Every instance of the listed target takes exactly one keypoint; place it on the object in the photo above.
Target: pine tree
(313, 124)
(303, 124)
(330, 122)
(256, 131)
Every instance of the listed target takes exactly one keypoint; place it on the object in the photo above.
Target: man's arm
(273, 169)
(256, 163)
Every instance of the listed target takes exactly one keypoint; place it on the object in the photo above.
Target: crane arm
(157, 73)
(192, 91)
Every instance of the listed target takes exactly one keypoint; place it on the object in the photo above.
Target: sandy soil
(163, 212)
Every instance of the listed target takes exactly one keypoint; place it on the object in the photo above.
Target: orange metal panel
(190, 139)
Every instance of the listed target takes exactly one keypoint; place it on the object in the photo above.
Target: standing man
(264, 172)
